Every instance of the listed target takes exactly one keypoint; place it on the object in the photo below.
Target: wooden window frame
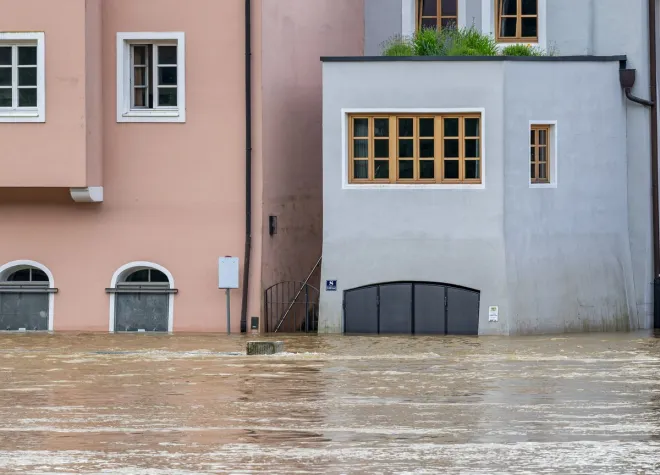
(394, 159)
(535, 153)
(419, 6)
(518, 16)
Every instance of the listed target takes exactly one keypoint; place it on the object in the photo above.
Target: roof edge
(394, 59)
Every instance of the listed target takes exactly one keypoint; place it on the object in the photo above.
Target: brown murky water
(141, 404)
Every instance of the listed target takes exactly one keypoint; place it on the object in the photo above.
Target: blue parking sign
(331, 285)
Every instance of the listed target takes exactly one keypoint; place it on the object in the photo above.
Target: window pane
(361, 148)
(532, 136)
(543, 154)
(360, 127)
(427, 148)
(406, 169)
(430, 8)
(5, 97)
(138, 276)
(167, 55)
(140, 76)
(382, 169)
(471, 148)
(39, 276)
(426, 127)
(533, 171)
(167, 76)
(543, 137)
(22, 275)
(361, 169)
(27, 55)
(529, 29)
(451, 148)
(508, 7)
(508, 27)
(381, 148)
(27, 76)
(447, 23)
(451, 127)
(5, 56)
(27, 97)
(533, 154)
(429, 23)
(427, 169)
(140, 55)
(451, 169)
(140, 98)
(472, 127)
(529, 7)
(157, 276)
(449, 7)
(472, 169)
(167, 97)
(543, 171)
(382, 127)
(405, 127)
(5, 76)
(406, 148)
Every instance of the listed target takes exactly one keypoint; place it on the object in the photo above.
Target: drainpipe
(653, 64)
(248, 162)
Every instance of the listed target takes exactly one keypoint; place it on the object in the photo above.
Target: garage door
(411, 308)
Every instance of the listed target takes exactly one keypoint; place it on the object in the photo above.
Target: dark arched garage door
(411, 307)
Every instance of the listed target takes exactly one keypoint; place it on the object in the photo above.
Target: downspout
(654, 161)
(248, 162)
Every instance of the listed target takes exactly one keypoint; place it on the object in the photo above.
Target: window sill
(174, 116)
(419, 186)
(15, 116)
(543, 185)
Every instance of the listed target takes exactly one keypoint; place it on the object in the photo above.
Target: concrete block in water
(264, 347)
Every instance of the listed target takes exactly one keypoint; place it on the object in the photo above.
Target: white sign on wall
(493, 314)
(228, 273)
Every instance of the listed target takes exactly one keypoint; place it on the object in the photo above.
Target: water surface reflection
(142, 404)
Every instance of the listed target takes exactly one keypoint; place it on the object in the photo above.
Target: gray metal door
(141, 311)
(24, 310)
(395, 310)
(429, 309)
(361, 310)
(462, 312)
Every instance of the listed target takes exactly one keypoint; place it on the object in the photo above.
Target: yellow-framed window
(540, 154)
(437, 14)
(517, 21)
(415, 148)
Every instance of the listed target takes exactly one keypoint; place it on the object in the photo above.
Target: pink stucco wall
(295, 35)
(174, 193)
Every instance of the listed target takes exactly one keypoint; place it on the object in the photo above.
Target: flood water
(143, 404)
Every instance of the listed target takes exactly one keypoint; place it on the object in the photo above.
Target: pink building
(124, 154)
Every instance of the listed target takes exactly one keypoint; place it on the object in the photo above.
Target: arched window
(142, 298)
(27, 296)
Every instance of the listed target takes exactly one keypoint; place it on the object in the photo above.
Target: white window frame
(488, 24)
(346, 185)
(13, 266)
(553, 141)
(27, 114)
(125, 113)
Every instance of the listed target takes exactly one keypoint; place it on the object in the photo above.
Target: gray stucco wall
(486, 239)
(382, 20)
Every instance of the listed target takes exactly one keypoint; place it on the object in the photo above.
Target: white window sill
(543, 185)
(375, 186)
(174, 116)
(14, 116)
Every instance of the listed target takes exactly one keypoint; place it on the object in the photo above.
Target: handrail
(279, 324)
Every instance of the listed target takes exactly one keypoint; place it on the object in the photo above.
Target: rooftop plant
(454, 42)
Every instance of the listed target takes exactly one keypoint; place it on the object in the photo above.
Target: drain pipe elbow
(627, 79)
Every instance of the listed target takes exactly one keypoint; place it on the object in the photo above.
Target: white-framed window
(151, 72)
(543, 146)
(22, 77)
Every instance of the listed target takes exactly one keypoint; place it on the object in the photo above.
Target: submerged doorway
(418, 308)
(26, 297)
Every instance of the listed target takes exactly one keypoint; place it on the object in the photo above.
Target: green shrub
(398, 46)
(522, 50)
(426, 42)
(470, 42)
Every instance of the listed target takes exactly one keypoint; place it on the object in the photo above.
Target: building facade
(490, 195)
(123, 136)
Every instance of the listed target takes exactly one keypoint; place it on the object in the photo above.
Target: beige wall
(295, 35)
(174, 193)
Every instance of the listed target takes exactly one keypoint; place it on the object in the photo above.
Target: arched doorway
(27, 297)
(142, 298)
(420, 308)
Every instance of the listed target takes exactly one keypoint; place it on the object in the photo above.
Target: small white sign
(493, 314)
(228, 273)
